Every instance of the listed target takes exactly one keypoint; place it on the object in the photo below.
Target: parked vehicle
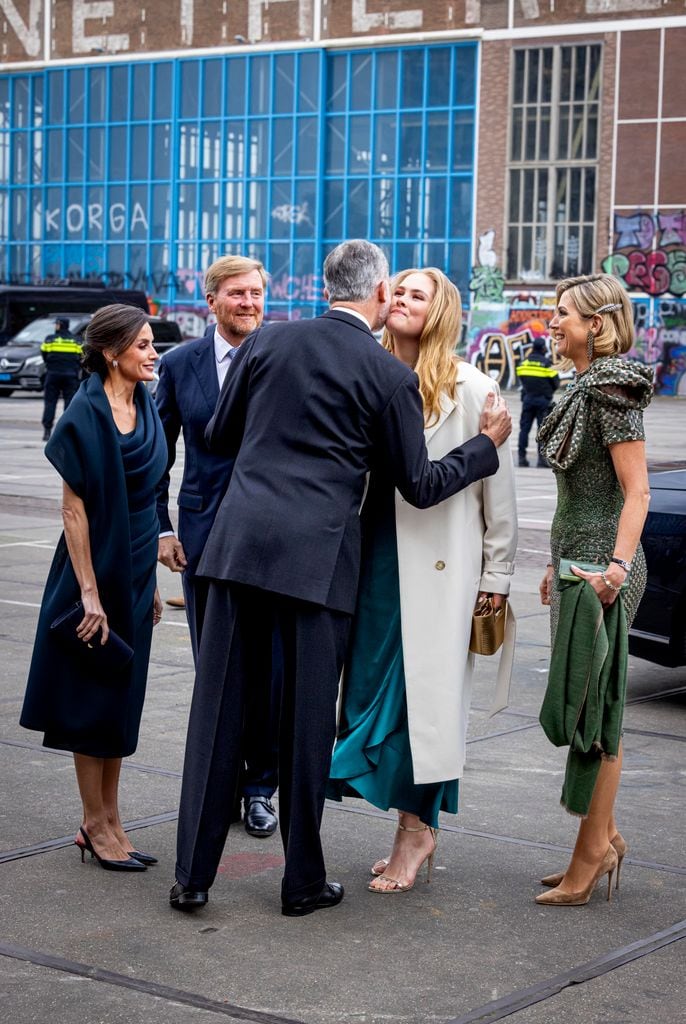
(658, 632)
(22, 365)
(20, 304)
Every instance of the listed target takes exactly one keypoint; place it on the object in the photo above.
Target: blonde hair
(437, 362)
(231, 266)
(590, 294)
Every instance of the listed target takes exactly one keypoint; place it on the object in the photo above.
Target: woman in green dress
(595, 443)
(407, 682)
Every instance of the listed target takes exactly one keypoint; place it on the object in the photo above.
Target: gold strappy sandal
(398, 886)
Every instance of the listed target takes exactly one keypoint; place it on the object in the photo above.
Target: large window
(553, 162)
(142, 173)
(399, 159)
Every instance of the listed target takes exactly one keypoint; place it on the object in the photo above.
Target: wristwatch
(620, 561)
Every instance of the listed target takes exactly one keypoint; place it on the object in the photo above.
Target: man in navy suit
(308, 409)
(191, 376)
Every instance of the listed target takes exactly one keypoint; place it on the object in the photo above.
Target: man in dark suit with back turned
(308, 407)
(191, 376)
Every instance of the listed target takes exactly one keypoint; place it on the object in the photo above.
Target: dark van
(20, 304)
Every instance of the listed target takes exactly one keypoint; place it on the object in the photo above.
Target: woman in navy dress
(110, 451)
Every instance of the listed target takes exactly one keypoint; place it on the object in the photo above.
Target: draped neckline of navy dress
(115, 475)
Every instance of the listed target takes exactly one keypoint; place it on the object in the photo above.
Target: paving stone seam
(521, 999)
(660, 735)
(48, 845)
(149, 988)
(132, 765)
(489, 1013)
(535, 844)
(58, 843)
(648, 697)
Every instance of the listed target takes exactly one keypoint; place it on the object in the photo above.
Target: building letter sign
(28, 35)
(81, 43)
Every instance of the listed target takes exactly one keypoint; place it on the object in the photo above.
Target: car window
(36, 332)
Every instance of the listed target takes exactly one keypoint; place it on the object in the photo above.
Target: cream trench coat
(446, 555)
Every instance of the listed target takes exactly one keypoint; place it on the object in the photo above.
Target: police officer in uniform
(62, 356)
(539, 381)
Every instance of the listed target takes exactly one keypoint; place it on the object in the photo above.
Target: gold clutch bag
(488, 627)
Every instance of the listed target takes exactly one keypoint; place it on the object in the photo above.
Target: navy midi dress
(115, 475)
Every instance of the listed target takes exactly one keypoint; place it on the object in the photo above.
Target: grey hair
(353, 270)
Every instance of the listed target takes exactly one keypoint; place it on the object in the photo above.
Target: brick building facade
(512, 142)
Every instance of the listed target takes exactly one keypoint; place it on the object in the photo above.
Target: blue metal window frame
(127, 237)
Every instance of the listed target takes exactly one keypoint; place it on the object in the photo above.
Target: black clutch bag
(109, 657)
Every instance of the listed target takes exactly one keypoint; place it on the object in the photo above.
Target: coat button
(439, 565)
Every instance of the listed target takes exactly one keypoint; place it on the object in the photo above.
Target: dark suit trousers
(238, 626)
(259, 772)
(532, 409)
(56, 384)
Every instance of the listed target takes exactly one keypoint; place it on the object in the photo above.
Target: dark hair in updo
(114, 328)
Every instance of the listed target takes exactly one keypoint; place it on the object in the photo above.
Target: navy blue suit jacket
(307, 409)
(186, 396)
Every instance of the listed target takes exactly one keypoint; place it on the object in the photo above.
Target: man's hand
(170, 553)
(496, 421)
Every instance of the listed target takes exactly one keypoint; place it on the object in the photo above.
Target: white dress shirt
(223, 354)
(354, 312)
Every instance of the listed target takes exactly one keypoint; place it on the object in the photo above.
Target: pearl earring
(590, 342)
(115, 363)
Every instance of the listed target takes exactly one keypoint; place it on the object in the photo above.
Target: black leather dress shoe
(260, 817)
(183, 898)
(330, 896)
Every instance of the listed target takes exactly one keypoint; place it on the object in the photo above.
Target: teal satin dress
(372, 757)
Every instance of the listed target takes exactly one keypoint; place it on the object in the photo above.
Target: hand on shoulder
(496, 420)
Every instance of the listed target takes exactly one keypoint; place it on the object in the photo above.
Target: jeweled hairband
(609, 308)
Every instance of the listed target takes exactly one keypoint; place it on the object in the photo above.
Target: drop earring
(115, 362)
(590, 343)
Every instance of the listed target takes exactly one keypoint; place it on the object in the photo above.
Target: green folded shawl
(617, 385)
(584, 701)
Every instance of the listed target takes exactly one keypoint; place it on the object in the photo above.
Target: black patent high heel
(109, 865)
(144, 858)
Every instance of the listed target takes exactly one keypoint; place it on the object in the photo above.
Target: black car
(20, 304)
(659, 629)
(21, 363)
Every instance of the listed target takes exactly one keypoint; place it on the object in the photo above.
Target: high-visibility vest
(55, 343)
(532, 368)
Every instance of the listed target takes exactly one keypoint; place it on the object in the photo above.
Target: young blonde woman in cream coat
(407, 686)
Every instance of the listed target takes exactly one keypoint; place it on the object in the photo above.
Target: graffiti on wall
(649, 257)
(500, 335)
(649, 252)
(487, 281)
(660, 326)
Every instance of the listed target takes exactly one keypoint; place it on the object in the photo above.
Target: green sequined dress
(604, 406)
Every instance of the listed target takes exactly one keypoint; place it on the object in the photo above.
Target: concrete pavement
(81, 944)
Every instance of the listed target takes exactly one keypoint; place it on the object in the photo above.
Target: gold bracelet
(609, 585)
